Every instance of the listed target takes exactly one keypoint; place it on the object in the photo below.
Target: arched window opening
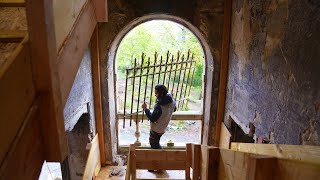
(160, 52)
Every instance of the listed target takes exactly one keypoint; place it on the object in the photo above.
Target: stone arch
(108, 75)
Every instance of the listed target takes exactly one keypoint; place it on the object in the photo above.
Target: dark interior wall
(274, 70)
(206, 15)
(80, 96)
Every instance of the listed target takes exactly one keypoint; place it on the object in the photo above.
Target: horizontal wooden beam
(297, 152)
(179, 115)
(12, 35)
(72, 52)
(12, 3)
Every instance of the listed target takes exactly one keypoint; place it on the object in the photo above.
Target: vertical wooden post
(45, 70)
(188, 160)
(97, 92)
(223, 69)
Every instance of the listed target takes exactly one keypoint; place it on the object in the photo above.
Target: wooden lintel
(72, 52)
(44, 61)
(101, 10)
(12, 35)
(180, 115)
(12, 3)
(223, 69)
(97, 91)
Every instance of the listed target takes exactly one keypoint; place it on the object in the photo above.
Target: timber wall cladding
(65, 15)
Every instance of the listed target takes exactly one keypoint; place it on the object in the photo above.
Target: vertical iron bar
(133, 83)
(195, 64)
(183, 77)
(188, 78)
(179, 77)
(165, 70)
(125, 99)
(175, 72)
(142, 59)
(170, 72)
(160, 67)
(154, 70)
(146, 86)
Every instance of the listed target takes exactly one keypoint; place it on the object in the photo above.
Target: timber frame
(35, 82)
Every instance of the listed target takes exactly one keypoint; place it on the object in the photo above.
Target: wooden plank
(44, 62)
(196, 153)
(12, 3)
(188, 160)
(213, 162)
(179, 115)
(101, 10)
(71, 54)
(297, 152)
(12, 36)
(26, 154)
(16, 93)
(296, 170)
(223, 69)
(161, 165)
(204, 162)
(224, 137)
(97, 91)
(65, 16)
(261, 167)
(93, 161)
(160, 155)
(133, 163)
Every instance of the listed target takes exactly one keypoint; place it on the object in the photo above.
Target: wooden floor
(119, 172)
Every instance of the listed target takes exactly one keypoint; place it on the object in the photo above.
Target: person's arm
(155, 115)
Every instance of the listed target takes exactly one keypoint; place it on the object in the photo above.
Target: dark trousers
(154, 140)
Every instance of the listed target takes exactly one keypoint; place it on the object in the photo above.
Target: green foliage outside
(159, 36)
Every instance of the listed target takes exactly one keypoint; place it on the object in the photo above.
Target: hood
(165, 99)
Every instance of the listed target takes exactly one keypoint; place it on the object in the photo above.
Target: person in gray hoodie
(161, 114)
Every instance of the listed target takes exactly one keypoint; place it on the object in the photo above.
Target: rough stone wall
(80, 95)
(274, 70)
(77, 142)
(206, 15)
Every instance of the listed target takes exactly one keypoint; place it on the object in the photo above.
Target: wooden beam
(303, 153)
(224, 137)
(179, 115)
(26, 155)
(12, 35)
(12, 3)
(101, 10)
(223, 69)
(71, 54)
(46, 76)
(93, 161)
(97, 91)
(17, 93)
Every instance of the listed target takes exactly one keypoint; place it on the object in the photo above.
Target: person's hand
(144, 106)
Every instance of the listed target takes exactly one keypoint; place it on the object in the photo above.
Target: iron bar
(160, 70)
(170, 73)
(146, 86)
(179, 77)
(188, 83)
(175, 72)
(183, 77)
(142, 59)
(156, 65)
(125, 99)
(133, 83)
(154, 70)
(166, 67)
(195, 65)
